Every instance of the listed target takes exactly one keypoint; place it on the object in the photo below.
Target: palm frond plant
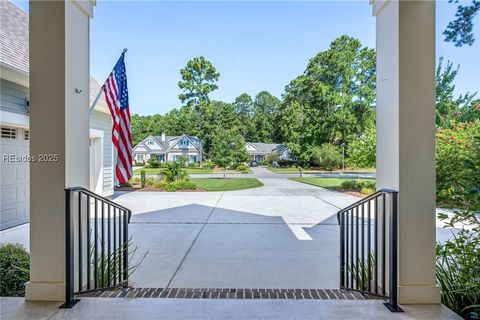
(458, 273)
(174, 171)
(108, 265)
(363, 279)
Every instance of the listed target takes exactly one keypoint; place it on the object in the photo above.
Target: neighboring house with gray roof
(14, 121)
(168, 148)
(258, 150)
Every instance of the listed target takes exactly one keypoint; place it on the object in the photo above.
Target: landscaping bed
(357, 187)
(193, 185)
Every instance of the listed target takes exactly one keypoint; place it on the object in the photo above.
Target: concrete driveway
(281, 235)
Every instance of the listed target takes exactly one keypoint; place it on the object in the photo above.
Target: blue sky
(254, 45)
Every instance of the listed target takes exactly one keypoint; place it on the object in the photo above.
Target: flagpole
(94, 104)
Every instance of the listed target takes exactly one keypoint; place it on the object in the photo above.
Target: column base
(45, 291)
(419, 295)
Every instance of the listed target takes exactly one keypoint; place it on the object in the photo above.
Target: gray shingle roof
(14, 49)
(14, 36)
(267, 147)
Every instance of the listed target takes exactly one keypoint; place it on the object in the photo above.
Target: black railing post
(101, 269)
(380, 249)
(125, 252)
(392, 304)
(342, 250)
(70, 300)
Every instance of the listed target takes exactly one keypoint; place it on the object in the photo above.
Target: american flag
(116, 93)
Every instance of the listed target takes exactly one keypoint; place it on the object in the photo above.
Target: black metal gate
(369, 246)
(96, 243)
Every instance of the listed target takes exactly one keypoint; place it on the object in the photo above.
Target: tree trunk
(224, 172)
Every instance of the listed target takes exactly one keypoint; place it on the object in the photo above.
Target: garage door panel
(14, 178)
(11, 217)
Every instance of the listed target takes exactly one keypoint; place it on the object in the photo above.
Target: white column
(406, 136)
(59, 126)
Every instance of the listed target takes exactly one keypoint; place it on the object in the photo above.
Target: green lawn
(295, 170)
(219, 184)
(159, 170)
(328, 183)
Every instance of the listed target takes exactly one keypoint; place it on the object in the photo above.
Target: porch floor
(125, 308)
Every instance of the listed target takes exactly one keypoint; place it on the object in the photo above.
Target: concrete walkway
(221, 309)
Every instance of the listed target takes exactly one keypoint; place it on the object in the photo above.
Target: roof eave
(14, 74)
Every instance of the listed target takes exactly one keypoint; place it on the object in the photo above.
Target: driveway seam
(327, 202)
(194, 240)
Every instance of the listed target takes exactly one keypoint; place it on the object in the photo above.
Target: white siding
(13, 97)
(102, 121)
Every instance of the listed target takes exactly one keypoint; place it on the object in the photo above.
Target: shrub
(153, 162)
(208, 164)
(365, 186)
(14, 270)
(326, 156)
(143, 178)
(242, 168)
(135, 180)
(362, 150)
(350, 185)
(180, 185)
(127, 184)
(173, 172)
(270, 158)
(286, 163)
(458, 268)
(458, 166)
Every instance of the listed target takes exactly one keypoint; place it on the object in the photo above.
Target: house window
(140, 158)
(150, 142)
(26, 134)
(193, 158)
(184, 143)
(9, 133)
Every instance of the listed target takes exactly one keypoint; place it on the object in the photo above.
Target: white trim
(14, 119)
(14, 74)
(98, 135)
(251, 145)
(180, 138)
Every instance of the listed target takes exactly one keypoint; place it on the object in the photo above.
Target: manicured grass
(153, 171)
(295, 170)
(328, 183)
(220, 184)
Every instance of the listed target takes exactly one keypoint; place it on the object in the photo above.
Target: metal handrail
(363, 255)
(103, 199)
(366, 199)
(101, 248)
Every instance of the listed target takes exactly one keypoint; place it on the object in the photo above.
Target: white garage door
(14, 204)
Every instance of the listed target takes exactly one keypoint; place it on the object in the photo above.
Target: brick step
(225, 293)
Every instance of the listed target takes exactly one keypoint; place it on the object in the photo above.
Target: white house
(168, 148)
(14, 120)
(258, 151)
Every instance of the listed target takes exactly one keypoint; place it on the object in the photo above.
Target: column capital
(377, 6)
(86, 6)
